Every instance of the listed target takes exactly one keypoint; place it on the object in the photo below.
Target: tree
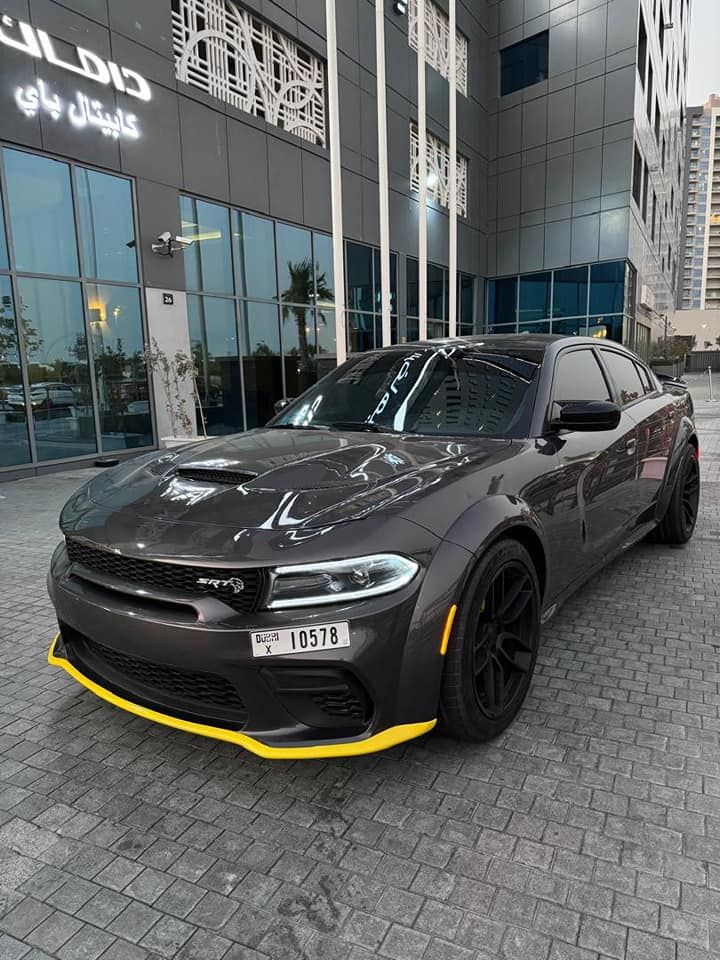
(303, 290)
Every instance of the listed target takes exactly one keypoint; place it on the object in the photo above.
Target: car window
(625, 376)
(648, 385)
(444, 391)
(578, 376)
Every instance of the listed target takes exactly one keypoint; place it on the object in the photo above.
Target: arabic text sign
(81, 112)
(37, 43)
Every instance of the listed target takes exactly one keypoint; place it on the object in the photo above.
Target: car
(382, 555)
(43, 395)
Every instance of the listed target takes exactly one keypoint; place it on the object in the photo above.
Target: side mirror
(586, 415)
(281, 404)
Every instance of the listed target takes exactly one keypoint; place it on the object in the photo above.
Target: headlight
(306, 584)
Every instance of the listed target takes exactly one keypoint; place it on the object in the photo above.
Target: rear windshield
(448, 391)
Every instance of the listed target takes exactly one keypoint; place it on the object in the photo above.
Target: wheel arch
(528, 538)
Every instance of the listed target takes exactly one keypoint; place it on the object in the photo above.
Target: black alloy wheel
(493, 646)
(678, 524)
(504, 638)
(691, 494)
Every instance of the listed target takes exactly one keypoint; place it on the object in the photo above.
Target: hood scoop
(232, 478)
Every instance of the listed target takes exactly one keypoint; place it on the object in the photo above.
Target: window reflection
(570, 292)
(361, 332)
(14, 446)
(261, 361)
(295, 265)
(107, 229)
(324, 270)
(121, 376)
(254, 249)
(213, 339)
(359, 277)
(41, 214)
(607, 287)
(326, 341)
(53, 330)
(207, 261)
(502, 302)
(3, 241)
(534, 298)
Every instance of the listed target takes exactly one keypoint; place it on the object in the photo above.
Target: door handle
(630, 447)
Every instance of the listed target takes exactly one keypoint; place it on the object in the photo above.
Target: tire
(492, 650)
(678, 524)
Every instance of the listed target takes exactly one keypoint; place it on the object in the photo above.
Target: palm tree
(303, 291)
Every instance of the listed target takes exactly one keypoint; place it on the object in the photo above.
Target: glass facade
(438, 302)
(261, 311)
(73, 378)
(595, 300)
(261, 308)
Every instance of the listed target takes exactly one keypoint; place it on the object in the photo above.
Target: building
(290, 147)
(585, 184)
(700, 288)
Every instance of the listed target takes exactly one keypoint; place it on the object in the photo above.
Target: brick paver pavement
(590, 830)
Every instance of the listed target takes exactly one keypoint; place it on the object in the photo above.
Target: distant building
(700, 288)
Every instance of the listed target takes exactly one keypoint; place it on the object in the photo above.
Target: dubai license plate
(323, 636)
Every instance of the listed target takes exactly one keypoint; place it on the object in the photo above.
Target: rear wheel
(678, 524)
(494, 644)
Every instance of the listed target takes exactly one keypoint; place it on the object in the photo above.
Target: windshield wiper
(298, 426)
(364, 426)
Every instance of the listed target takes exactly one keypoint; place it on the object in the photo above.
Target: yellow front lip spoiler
(347, 748)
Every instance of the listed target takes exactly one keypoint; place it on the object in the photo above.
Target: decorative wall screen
(238, 58)
(438, 169)
(437, 43)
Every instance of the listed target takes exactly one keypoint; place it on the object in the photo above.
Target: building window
(364, 297)
(437, 43)
(642, 49)
(594, 299)
(534, 303)
(646, 185)
(438, 171)
(657, 121)
(649, 90)
(524, 63)
(654, 217)
(73, 374)
(637, 176)
(238, 58)
(438, 301)
(261, 311)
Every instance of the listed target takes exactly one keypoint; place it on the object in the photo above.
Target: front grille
(232, 478)
(241, 592)
(182, 689)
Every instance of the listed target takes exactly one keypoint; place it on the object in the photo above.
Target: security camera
(167, 245)
(400, 7)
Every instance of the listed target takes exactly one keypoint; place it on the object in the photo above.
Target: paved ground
(590, 830)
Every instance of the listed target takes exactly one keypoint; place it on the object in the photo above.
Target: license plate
(324, 636)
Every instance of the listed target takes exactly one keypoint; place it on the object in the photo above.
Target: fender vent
(233, 478)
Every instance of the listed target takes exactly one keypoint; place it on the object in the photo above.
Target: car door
(597, 475)
(654, 414)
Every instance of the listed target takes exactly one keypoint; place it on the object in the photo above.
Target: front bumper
(168, 663)
(382, 740)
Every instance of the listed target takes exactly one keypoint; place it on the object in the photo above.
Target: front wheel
(678, 524)
(492, 651)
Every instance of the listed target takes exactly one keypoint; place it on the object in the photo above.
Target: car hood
(279, 479)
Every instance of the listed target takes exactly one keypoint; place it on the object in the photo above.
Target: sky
(704, 69)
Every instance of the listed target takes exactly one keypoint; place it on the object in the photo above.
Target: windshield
(448, 391)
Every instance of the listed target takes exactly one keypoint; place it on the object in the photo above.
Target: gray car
(382, 555)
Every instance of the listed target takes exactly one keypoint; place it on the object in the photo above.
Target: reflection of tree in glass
(8, 333)
(304, 289)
